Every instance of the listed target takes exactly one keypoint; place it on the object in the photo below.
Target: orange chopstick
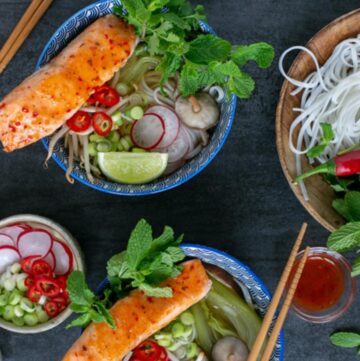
(31, 17)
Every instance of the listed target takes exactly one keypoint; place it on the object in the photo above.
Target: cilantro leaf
(168, 66)
(346, 238)
(262, 53)
(328, 136)
(139, 244)
(207, 48)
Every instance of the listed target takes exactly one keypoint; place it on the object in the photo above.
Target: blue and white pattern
(258, 291)
(59, 40)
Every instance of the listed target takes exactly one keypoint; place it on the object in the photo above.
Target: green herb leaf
(356, 267)
(139, 244)
(82, 321)
(345, 339)
(78, 290)
(262, 53)
(162, 292)
(104, 312)
(346, 238)
(242, 85)
(328, 136)
(207, 48)
(352, 200)
(340, 206)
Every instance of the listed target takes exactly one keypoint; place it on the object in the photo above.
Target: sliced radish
(148, 131)
(6, 240)
(194, 152)
(179, 148)
(172, 167)
(50, 259)
(8, 256)
(13, 231)
(35, 242)
(63, 258)
(171, 123)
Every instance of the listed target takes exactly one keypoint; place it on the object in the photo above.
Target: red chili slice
(33, 294)
(51, 309)
(27, 262)
(105, 95)
(29, 281)
(102, 123)
(79, 122)
(62, 280)
(61, 302)
(41, 268)
(47, 286)
(148, 351)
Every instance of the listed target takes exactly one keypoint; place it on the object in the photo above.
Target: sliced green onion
(104, 146)
(15, 298)
(15, 268)
(114, 136)
(178, 330)
(192, 351)
(42, 316)
(92, 149)
(27, 305)
(20, 283)
(164, 342)
(19, 312)
(117, 119)
(4, 299)
(8, 313)
(18, 321)
(125, 144)
(122, 89)
(9, 284)
(95, 138)
(136, 112)
(138, 150)
(31, 319)
(187, 319)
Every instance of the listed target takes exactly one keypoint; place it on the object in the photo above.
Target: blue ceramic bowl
(58, 41)
(258, 291)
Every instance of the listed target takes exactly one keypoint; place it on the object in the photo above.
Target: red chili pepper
(51, 309)
(47, 286)
(33, 294)
(341, 166)
(102, 123)
(29, 281)
(79, 122)
(62, 280)
(61, 302)
(27, 262)
(149, 351)
(105, 95)
(41, 268)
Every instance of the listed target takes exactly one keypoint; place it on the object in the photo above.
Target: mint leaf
(176, 254)
(162, 292)
(82, 321)
(340, 206)
(345, 339)
(346, 238)
(356, 267)
(242, 85)
(117, 266)
(328, 136)
(157, 4)
(207, 48)
(105, 314)
(352, 200)
(169, 65)
(262, 53)
(139, 244)
(78, 290)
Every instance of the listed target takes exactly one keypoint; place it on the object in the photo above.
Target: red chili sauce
(321, 284)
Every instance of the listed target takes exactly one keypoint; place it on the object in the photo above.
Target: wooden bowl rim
(279, 116)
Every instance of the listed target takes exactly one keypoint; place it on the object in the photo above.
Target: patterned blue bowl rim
(149, 189)
(192, 250)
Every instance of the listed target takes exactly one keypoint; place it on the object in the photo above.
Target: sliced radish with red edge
(50, 259)
(35, 242)
(6, 240)
(180, 148)
(8, 256)
(148, 131)
(171, 123)
(63, 258)
(13, 231)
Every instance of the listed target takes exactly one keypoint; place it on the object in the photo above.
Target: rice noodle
(71, 163)
(56, 137)
(87, 158)
(75, 144)
(330, 95)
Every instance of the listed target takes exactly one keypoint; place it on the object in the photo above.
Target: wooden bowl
(322, 45)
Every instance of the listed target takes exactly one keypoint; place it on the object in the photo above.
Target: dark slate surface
(241, 203)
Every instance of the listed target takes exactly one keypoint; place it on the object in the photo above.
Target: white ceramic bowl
(61, 233)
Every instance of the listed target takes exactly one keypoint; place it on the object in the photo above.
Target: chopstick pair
(258, 345)
(31, 17)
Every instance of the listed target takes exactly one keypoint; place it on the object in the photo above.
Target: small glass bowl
(346, 298)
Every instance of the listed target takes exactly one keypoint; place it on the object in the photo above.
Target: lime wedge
(132, 168)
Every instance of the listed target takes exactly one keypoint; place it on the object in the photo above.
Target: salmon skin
(138, 317)
(52, 95)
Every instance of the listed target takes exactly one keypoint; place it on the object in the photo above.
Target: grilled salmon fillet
(138, 317)
(49, 97)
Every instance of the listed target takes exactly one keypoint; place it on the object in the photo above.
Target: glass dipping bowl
(345, 300)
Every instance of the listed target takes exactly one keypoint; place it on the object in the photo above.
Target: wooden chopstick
(31, 17)
(255, 351)
(285, 308)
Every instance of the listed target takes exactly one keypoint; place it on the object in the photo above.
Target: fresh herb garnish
(328, 136)
(171, 30)
(146, 262)
(346, 339)
(84, 301)
(349, 206)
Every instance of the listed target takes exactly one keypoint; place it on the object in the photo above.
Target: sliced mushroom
(198, 111)
(230, 348)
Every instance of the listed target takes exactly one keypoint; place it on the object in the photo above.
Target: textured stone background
(241, 203)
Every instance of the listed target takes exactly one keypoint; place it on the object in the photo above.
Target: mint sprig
(171, 30)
